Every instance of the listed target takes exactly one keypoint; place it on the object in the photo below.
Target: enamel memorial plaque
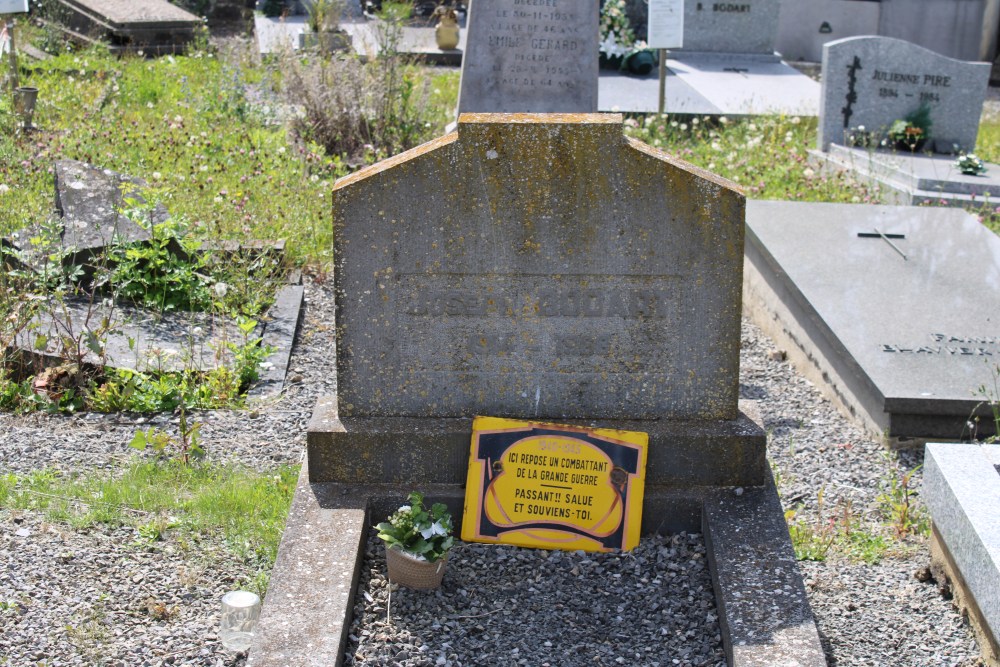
(554, 487)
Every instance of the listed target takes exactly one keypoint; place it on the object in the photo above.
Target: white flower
(197, 331)
(403, 508)
(4, 188)
(435, 529)
(796, 120)
(157, 175)
(220, 289)
(808, 173)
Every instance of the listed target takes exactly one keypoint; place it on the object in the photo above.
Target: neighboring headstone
(89, 202)
(153, 26)
(737, 26)
(962, 493)
(872, 81)
(530, 56)
(548, 263)
(891, 309)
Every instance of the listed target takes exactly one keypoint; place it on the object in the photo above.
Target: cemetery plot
(504, 269)
(106, 291)
(891, 308)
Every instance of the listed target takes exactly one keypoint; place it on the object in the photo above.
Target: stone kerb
(537, 56)
(872, 81)
(538, 266)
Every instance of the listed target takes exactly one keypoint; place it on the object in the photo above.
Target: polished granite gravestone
(872, 81)
(891, 309)
(530, 56)
(500, 270)
(962, 492)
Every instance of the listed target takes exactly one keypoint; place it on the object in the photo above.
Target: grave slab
(899, 331)
(872, 81)
(913, 178)
(962, 492)
(153, 25)
(538, 57)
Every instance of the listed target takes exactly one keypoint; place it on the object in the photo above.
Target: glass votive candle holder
(240, 611)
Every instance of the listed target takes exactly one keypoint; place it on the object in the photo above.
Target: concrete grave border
(962, 492)
(763, 609)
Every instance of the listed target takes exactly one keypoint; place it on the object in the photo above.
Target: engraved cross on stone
(877, 234)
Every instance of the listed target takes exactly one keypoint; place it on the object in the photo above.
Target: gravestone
(872, 81)
(890, 309)
(746, 27)
(541, 267)
(530, 56)
(962, 492)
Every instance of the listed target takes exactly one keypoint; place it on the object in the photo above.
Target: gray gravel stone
(498, 605)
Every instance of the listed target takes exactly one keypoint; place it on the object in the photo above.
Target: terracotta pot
(411, 572)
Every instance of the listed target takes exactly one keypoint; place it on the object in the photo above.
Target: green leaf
(138, 441)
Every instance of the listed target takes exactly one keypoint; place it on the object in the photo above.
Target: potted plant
(912, 132)
(619, 48)
(417, 541)
(970, 164)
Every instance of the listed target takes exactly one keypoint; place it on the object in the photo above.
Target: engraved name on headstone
(873, 81)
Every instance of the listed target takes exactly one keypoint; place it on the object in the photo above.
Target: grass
(168, 501)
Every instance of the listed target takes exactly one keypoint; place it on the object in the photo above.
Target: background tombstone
(872, 81)
(736, 26)
(526, 56)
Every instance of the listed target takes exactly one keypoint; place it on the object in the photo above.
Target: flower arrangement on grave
(417, 542)
(861, 137)
(970, 164)
(911, 132)
(619, 49)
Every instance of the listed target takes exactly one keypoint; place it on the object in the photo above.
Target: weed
(898, 501)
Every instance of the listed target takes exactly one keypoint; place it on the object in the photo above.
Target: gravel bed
(510, 606)
(81, 597)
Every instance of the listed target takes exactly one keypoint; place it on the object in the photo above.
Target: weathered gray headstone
(543, 283)
(899, 329)
(737, 26)
(152, 25)
(872, 81)
(530, 56)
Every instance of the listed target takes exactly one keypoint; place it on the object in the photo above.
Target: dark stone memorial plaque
(893, 309)
(530, 56)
